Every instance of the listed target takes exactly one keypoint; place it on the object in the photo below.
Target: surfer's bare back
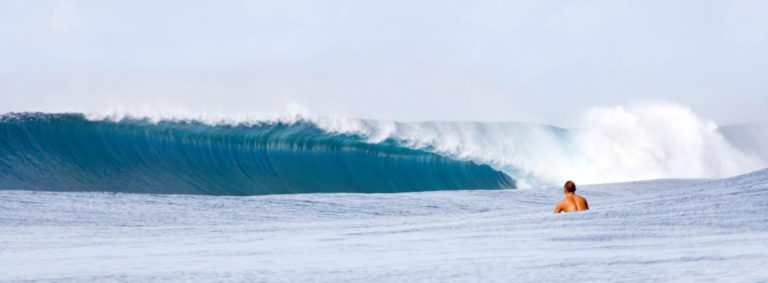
(572, 202)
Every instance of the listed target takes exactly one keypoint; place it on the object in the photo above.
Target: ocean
(87, 198)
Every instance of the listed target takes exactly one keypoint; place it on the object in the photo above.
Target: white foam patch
(655, 141)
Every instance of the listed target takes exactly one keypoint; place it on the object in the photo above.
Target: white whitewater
(665, 230)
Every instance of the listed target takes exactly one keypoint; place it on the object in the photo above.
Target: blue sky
(542, 61)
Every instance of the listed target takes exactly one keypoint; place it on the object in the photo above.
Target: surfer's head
(569, 187)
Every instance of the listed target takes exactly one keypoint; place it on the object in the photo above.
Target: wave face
(67, 152)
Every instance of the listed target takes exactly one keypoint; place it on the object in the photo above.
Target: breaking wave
(304, 154)
(67, 152)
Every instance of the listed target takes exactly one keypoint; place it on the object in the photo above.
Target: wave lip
(68, 152)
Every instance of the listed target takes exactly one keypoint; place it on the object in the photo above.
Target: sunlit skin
(572, 202)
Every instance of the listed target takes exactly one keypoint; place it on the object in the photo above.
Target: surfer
(572, 201)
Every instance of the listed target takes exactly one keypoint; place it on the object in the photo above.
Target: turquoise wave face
(67, 152)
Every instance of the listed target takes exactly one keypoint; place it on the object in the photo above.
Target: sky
(541, 61)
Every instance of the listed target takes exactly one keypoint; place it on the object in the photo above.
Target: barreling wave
(303, 154)
(68, 152)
